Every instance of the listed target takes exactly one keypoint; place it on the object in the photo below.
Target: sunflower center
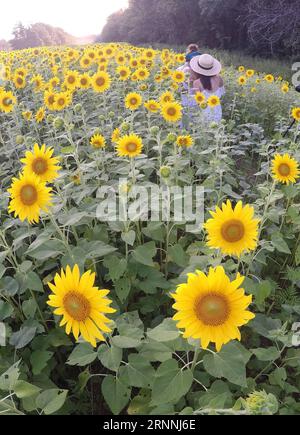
(7, 102)
(51, 99)
(284, 170)
(39, 166)
(172, 111)
(131, 147)
(77, 306)
(61, 101)
(19, 81)
(133, 101)
(83, 82)
(71, 80)
(233, 231)
(28, 195)
(100, 81)
(212, 310)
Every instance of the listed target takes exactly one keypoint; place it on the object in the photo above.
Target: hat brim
(215, 70)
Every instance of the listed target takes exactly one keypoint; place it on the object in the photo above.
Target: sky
(79, 17)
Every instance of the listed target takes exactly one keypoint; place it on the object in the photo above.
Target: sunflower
(54, 82)
(241, 69)
(84, 81)
(115, 135)
(233, 231)
(166, 97)
(123, 72)
(40, 115)
(71, 80)
(7, 101)
(82, 305)
(50, 99)
(212, 308)
(250, 73)
(98, 141)
(285, 169)
(130, 146)
(285, 89)
(185, 141)
(296, 113)
(152, 105)
(101, 81)
(242, 80)
(27, 115)
(19, 82)
(62, 100)
(269, 78)
(85, 62)
(200, 98)
(29, 195)
(41, 162)
(38, 82)
(178, 76)
(142, 74)
(213, 101)
(133, 101)
(172, 112)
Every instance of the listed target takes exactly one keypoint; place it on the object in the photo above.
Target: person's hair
(192, 48)
(205, 80)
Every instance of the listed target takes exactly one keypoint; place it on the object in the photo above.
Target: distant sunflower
(285, 169)
(98, 141)
(130, 146)
(269, 78)
(152, 106)
(213, 101)
(123, 72)
(166, 97)
(133, 101)
(62, 100)
(250, 73)
(7, 101)
(19, 82)
(101, 81)
(29, 196)
(296, 113)
(285, 89)
(185, 141)
(178, 76)
(85, 62)
(82, 305)
(71, 80)
(50, 99)
(40, 115)
(142, 73)
(41, 162)
(200, 98)
(233, 231)
(172, 112)
(242, 80)
(241, 69)
(84, 81)
(116, 135)
(212, 308)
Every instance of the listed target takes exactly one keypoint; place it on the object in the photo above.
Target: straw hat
(206, 65)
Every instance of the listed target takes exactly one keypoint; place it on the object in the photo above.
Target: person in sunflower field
(204, 85)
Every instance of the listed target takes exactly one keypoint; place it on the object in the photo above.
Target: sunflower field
(138, 316)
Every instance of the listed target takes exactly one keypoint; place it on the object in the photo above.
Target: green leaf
(39, 360)
(110, 357)
(51, 401)
(123, 288)
(131, 330)
(297, 256)
(23, 337)
(9, 286)
(82, 355)
(6, 310)
(144, 254)
(269, 354)
(33, 282)
(138, 373)
(116, 394)
(140, 405)
(9, 378)
(280, 244)
(171, 383)
(24, 389)
(129, 237)
(165, 332)
(116, 266)
(178, 256)
(50, 249)
(230, 364)
(96, 249)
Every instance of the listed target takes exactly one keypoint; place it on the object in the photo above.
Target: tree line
(264, 27)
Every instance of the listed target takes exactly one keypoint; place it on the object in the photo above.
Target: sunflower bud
(50, 118)
(78, 108)
(154, 130)
(19, 140)
(101, 118)
(171, 137)
(111, 115)
(261, 403)
(58, 123)
(125, 127)
(203, 106)
(165, 171)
